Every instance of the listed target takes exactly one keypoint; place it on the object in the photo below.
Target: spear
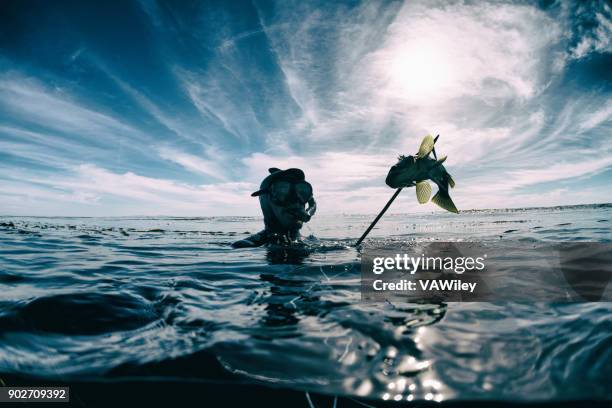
(379, 216)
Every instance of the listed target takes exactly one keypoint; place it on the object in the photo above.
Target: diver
(283, 196)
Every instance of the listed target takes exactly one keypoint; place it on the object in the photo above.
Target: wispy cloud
(29, 100)
(194, 163)
(214, 101)
(595, 30)
(191, 122)
(101, 188)
(164, 118)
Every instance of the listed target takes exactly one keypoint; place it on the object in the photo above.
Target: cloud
(30, 101)
(488, 51)
(51, 121)
(44, 149)
(214, 101)
(164, 193)
(426, 58)
(164, 118)
(539, 174)
(560, 171)
(106, 191)
(594, 119)
(338, 90)
(193, 163)
(596, 34)
(480, 75)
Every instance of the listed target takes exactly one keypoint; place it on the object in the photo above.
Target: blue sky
(178, 108)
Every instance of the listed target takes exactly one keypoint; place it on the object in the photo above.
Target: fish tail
(450, 180)
(443, 200)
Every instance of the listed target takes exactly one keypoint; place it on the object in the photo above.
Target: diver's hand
(282, 239)
(300, 214)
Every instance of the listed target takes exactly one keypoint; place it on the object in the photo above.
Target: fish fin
(443, 200)
(442, 159)
(427, 146)
(423, 191)
(451, 182)
(272, 170)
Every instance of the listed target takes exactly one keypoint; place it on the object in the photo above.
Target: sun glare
(419, 72)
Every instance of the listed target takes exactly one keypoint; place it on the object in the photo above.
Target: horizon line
(605, 204)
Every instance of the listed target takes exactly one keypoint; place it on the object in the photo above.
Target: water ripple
(168, 297)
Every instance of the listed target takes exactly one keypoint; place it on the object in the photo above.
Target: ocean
(167, 298)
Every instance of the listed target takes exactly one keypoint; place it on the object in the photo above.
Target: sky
(122, 108)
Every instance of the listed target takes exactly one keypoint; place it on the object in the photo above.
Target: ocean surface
(167, 297)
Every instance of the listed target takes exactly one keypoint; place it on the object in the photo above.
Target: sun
(418, 72)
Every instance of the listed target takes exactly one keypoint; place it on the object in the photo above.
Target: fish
(415, 171)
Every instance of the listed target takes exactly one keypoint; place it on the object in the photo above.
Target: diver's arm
(253, 241)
